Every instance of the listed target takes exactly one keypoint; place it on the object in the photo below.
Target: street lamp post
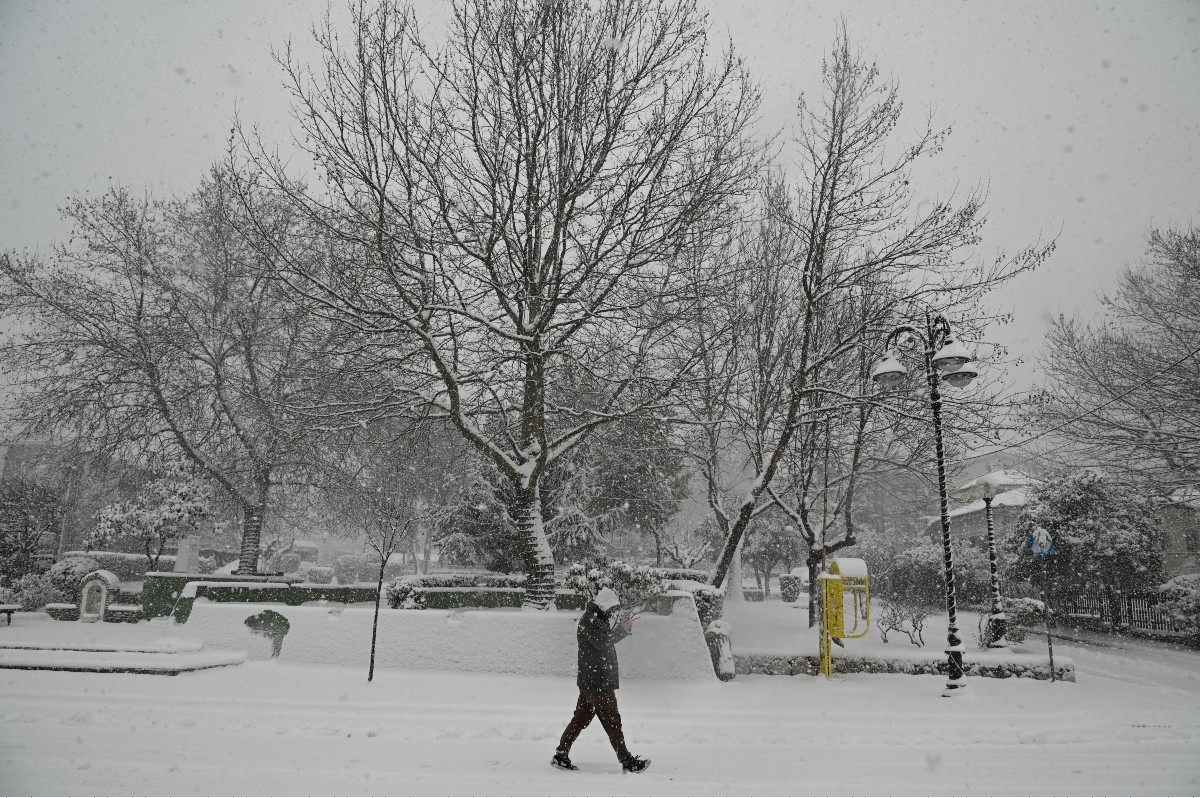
(987, 488)
(945, 359)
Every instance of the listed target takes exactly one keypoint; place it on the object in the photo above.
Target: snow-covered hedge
(317, 574)
(533, 642)
(408, 592)
(127, 567)
(690, 574)
(997, 666)
(638, 586)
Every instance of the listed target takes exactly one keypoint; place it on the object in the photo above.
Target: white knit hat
(607, 598)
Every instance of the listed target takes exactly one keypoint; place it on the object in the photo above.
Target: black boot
(635, 764)
(562, 761)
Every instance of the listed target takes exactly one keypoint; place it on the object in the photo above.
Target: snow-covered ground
(1131, 724)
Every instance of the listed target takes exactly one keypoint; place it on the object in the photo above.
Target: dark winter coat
(598, 650)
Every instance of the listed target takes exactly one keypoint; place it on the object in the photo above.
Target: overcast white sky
(1082, 119)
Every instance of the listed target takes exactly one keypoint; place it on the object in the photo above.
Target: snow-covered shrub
(1023, 615)
(637, 585)
(690, 574)
(34, 591)
(317, 574)
(272, 626)
(1180, 600)
(346, 568)
(8, 595)
(403, 595)
(790, 587)
(206, 565)
(289, 562)
(67, 573)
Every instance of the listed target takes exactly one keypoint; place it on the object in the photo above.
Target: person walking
(598, 680)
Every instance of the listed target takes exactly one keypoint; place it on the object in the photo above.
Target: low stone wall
(1028, 666)
(531, 642)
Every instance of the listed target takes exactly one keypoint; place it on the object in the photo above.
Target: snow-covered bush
(690, 574)
(637, 585)
(289, 562)
(790, 586)
(346, 568)
(1023, 615)
(317, 574)
(8, 595)
(67, 573)
(34, 591)
(402, 595)
(206, 565)
(1180, 600)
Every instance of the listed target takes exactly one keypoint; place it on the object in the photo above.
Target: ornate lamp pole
(988, 487)
(948, 358)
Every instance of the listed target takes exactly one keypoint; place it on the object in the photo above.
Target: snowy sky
(1080, 118)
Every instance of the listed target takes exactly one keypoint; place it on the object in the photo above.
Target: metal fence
(1126, 611)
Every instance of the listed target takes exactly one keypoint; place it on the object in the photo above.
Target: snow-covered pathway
(1130, 725)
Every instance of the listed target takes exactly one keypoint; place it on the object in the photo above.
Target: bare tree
(159, 330)
(511, 207)
(1123, 393)
(822, 271)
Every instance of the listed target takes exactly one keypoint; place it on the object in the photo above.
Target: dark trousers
(594, 703)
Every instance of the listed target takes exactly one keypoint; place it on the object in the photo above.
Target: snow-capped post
(987, 488)
(942, 354)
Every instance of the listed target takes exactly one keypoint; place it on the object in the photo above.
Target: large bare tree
(831, 259)
(1123, 393)
(509, 208)
(159, 329)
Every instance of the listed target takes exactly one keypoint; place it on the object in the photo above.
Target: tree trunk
(535, 549)
(252, 522)
(733, 582)
(375, 623)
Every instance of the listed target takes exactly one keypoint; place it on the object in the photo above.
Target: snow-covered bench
(9, 609)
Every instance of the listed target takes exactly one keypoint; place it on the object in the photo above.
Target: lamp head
(961, 376)
(951, 356)
(889, 372)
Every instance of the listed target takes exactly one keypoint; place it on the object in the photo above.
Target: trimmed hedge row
(126, 567)
(160, 589)
(292, 596)
(809, 665)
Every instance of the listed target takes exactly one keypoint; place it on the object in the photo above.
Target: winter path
(1131, 725)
